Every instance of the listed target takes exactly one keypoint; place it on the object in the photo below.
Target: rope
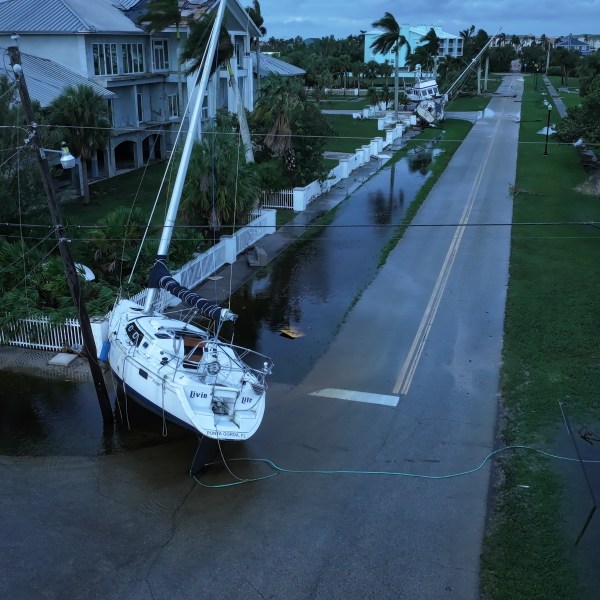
(282, 470)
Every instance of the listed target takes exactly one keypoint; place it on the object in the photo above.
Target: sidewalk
(556, 99)
(236, 274)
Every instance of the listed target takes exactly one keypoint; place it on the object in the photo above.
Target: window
(173, 105)
(133, 58)
(239, 53)
(140, 108)
(204, 113)
(105, 59)
(111, 113)
(160, 55)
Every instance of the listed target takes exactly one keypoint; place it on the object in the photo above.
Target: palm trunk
(180, 102)
(244, 129)
(396, 84)
(258, 67)
(84, 180)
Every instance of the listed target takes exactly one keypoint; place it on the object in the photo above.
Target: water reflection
(310, 286)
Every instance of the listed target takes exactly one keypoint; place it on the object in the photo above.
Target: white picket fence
(278, 199)
(41, 334)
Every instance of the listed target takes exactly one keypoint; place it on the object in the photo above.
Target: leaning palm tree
(159, 15)
(391, 40)
(254, 13)
(81, 115)
(194, 50)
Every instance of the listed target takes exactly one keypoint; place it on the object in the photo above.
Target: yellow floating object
(291, 333)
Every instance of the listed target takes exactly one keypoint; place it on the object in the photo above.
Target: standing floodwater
(308, 288)
(311, 285)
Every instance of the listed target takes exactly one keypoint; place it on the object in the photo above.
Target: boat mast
(459, 80)
(169, 224)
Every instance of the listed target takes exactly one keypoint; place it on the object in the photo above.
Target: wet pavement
(123, 519)
(94, 512)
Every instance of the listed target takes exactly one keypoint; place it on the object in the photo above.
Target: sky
(340, 18)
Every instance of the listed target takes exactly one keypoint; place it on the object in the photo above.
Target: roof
(271, 65)
(127, 4)
(423, 30)
(190, 9)
(134, 9)
(420, 30)
(46, 79)
(64, 16)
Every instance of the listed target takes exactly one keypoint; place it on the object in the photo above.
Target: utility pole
(89, 345)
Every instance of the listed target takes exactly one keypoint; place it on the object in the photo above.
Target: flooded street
(311, 286)
(308, 288)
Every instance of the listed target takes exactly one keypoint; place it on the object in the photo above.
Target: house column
(109, 159)
(138, 154)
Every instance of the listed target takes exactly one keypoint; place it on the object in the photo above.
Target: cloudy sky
(340, 18)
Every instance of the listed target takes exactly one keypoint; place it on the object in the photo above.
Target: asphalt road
(422, 345)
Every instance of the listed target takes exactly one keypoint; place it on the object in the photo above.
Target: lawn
(345, 103)
(134, 188)
(351, 133)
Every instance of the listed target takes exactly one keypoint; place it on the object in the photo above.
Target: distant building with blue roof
(573, 43)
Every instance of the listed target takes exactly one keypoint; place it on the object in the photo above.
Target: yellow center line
(416, 350)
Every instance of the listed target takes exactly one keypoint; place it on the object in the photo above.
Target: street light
(547, 129)
(67, 161)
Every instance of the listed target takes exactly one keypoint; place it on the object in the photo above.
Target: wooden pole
(63, 243)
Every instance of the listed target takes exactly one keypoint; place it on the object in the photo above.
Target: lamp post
(67, 161)
(547, 129)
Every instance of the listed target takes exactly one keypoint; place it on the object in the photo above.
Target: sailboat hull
(181, 373)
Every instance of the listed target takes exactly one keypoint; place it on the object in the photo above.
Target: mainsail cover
(160, 277)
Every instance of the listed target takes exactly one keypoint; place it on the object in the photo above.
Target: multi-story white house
(99, 42)
(450, 45)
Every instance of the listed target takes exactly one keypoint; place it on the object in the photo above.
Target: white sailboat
(181, 371)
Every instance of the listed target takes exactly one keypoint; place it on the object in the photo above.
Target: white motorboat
(423, 88)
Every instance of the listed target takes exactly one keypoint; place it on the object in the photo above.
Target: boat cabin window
(134, 334)
(193, 350)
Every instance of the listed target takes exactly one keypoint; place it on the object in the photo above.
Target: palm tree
(421, 56)
(391, 40)
(159, 15)
(278, 105)
(193, 51)
(82, 117)
(215, 177)
(113, 244)
(432, 48)
(357, 72)
(254, 13)
(385, 70)
(371, 69)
